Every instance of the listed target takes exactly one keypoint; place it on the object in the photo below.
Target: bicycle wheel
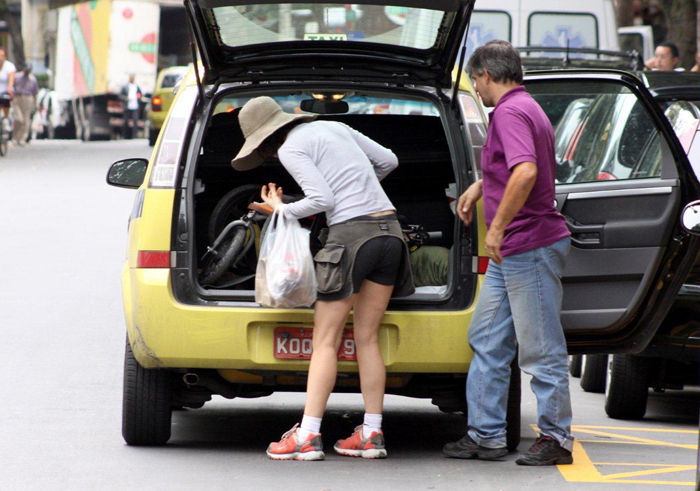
(227, 255)
(231, 207)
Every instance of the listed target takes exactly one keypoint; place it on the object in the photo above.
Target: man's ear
(487, 76)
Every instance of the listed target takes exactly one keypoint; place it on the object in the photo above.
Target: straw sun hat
(260, 118)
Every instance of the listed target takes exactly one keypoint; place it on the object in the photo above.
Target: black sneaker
(546, 451)
(467, 448)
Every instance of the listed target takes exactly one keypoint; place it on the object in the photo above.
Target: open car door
(622, 181)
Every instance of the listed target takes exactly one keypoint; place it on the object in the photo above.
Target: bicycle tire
(228, 253)
(231, 207)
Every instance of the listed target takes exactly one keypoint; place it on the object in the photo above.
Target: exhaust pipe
(214, 384)
(190, 379)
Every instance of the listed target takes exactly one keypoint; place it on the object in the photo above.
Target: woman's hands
(271, 195)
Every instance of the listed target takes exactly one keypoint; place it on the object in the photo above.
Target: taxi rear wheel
(146, 410)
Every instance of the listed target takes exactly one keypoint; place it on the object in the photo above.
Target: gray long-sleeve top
(338, 169)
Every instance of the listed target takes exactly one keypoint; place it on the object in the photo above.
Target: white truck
(574, 24)
(99, 44)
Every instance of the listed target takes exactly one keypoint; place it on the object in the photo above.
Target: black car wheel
(575, 362)
(146, 411)
(628, 387)
(593, 373)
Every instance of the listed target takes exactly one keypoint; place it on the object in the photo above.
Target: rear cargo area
(418, 189)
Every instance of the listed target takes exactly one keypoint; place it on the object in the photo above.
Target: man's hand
(465, 206)
(494, 238)
(272, 195)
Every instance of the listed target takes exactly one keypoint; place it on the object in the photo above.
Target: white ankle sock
(373, 422)
(309, 426)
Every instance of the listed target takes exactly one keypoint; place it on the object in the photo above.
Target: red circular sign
(150, 41)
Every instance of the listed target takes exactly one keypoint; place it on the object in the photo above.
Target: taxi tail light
(153, 259)
(157, 104)
(172, 142)
(480, 265)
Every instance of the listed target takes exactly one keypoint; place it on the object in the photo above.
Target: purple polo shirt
(519, 131)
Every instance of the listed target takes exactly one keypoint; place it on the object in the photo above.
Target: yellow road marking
(628, 428)
(618, 442)
(583, 470)
(640, 464)
(637, 439)
(648, 472)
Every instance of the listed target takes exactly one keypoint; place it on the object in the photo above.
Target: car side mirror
(128, 173)
(690, 218)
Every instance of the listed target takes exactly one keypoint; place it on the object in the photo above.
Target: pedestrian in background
(26, 90)
(527, 242)
(666, 58)
(131, 96)
(7, 85)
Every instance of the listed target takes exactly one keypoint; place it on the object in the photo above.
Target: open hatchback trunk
(422, 189)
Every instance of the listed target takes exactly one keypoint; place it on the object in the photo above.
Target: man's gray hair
(500, 59)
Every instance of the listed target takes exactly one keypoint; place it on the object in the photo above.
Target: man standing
(131, 95)
(26, 90)
(527, 242)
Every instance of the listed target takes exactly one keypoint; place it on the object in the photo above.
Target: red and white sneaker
(290, 448)
(359, 446)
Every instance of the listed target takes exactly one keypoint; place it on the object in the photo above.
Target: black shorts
(379, 261)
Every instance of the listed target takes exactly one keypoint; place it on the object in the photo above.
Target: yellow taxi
(162, 98)
(192, 334)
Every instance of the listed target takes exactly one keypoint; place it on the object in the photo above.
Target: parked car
(661, 365)
(671, 361)
(187, 341)
(161, 99)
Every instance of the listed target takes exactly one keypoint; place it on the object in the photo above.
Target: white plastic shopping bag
(285, 277)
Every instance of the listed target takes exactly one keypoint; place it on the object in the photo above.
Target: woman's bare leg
(329, 320)
(370, 307)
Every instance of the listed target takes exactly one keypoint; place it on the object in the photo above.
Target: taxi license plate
(294, 343)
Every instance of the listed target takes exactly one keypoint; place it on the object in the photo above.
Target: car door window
(602, 132)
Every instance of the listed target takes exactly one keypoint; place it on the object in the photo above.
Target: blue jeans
(519, 306)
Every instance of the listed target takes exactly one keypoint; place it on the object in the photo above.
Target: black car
(671, 359)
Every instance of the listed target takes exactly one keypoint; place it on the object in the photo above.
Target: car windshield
(171, 79)
(245, 25)
(357, 104)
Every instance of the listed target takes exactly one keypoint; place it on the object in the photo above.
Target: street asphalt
(63, 244)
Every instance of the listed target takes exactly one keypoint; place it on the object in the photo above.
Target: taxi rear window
(407, 27)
